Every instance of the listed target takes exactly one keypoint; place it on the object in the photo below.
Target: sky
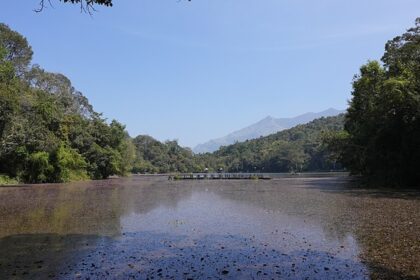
(198, 70)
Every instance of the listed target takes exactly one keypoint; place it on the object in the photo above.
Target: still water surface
(147, 227)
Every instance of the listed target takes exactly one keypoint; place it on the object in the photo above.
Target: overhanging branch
(85, 5)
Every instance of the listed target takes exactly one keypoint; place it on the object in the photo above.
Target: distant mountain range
(264, 127)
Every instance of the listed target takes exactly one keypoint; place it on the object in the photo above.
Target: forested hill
(297, 149)
(153, 156)
(264, 127)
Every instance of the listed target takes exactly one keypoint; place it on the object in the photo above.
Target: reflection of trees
(385, 224)
(63, 209)
(48, 229)
(93, 207)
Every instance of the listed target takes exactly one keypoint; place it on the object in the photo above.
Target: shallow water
(147, 227)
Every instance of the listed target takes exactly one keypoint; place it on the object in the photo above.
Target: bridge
(219, 176)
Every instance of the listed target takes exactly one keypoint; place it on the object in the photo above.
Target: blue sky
(198, 70)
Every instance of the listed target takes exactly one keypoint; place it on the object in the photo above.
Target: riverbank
(6, 181)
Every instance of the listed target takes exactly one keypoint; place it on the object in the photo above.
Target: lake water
(146, 227)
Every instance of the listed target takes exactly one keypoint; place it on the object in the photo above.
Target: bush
(70, 165)
(39, 169)
(6, 180)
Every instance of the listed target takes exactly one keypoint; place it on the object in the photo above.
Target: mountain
(264, 127)
(297, 149)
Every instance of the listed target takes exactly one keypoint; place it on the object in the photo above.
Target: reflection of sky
(206, 213)
(305, 225)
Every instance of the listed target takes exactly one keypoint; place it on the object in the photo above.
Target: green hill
(297, 149)
(153, 156)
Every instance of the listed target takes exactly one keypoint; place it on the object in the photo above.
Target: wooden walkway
(219, 176)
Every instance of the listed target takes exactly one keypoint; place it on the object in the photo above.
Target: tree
(383, 119)
(71, 100)
(69, 165)
(38, 168)
(16, 49)
(6, 67)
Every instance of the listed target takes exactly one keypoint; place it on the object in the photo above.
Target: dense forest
(381, 137)
(48, 130)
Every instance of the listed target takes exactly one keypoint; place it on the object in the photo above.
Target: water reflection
(148, 227)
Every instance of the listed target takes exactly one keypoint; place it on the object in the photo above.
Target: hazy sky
(198, 70)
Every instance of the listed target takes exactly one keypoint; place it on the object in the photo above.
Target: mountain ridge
(263, 127)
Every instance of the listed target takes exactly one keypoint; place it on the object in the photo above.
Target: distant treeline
(293, 150)
(50, 133)
(297, 149)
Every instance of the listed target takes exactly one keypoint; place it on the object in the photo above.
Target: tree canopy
(49, 132)
(381, 140)
(16, 49)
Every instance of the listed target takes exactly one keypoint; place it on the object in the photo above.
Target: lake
(146, 227)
